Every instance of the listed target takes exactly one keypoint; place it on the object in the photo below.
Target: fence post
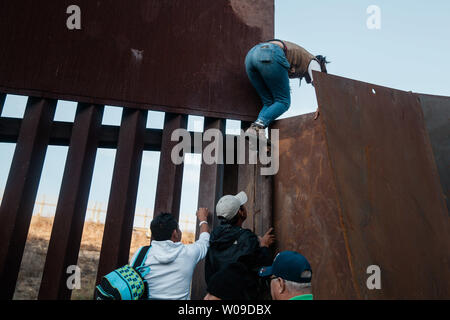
(72, 204)
(122, 199)
(19, 198)
(170, 175)
(2, 101)
(210, 190)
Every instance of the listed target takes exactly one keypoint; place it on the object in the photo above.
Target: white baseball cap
(229, 205)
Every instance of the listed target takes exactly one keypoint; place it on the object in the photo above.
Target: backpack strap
(139, 262)
(140, 259)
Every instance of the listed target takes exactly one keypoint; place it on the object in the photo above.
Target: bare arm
(202, 215)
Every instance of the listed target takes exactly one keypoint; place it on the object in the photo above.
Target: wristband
(202, 222)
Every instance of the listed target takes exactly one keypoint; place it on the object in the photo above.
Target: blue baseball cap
(288, 265)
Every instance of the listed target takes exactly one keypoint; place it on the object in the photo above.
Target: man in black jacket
(229, 241)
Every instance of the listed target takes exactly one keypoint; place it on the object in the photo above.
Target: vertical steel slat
(170, 175)
(259, 192)
(231, 170)
(210, 190)
(246, 182)
(230, 178)
(122, 199)
(211, 176)
(72, 203)
(2, 102)
(21, 188)
(263, 202)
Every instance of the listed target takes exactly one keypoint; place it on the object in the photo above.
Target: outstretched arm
(202, 215)
(267, 239)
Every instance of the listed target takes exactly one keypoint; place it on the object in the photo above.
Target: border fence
(37, 130)
(192, 66)
(331, 201)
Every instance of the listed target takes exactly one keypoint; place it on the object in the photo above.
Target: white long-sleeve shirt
(171, 265)
(313, 66)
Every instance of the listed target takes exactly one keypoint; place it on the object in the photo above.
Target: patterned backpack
(127, 282)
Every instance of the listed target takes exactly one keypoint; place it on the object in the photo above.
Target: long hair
(323, 63)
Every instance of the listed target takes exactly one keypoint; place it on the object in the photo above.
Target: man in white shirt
(171, 263)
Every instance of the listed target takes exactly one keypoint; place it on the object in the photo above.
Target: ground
(36, 248)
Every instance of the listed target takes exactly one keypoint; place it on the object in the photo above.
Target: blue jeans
(267, 68)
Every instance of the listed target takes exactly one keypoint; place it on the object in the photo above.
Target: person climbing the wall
(269, 67)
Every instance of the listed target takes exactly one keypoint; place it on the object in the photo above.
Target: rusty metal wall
(436, 112)
(306, 212)
(388, 185)
(180, 56)
(362, 188)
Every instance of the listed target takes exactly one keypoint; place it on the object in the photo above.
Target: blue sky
(409, 52)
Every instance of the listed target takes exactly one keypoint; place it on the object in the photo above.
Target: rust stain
(341, 222)
(251, 12)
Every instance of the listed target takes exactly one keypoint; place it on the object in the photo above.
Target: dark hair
(233, 220)
(323, 63)
(162, 227)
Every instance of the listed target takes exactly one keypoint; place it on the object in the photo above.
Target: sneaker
(257, 129)
(259, 124)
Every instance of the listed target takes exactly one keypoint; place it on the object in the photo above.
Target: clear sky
(409, 52)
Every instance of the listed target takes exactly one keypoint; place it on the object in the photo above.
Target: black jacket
(228, 243)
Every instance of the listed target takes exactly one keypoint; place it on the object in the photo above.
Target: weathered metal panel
(72, 203)
(21, 188)
(122, 198)
(180, 56)
(436, 111)
(393, 211)
(170, 175)
(306, 213)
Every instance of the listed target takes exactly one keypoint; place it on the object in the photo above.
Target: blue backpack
(127, 282)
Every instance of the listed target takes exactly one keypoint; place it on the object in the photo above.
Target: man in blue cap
(290, 277)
